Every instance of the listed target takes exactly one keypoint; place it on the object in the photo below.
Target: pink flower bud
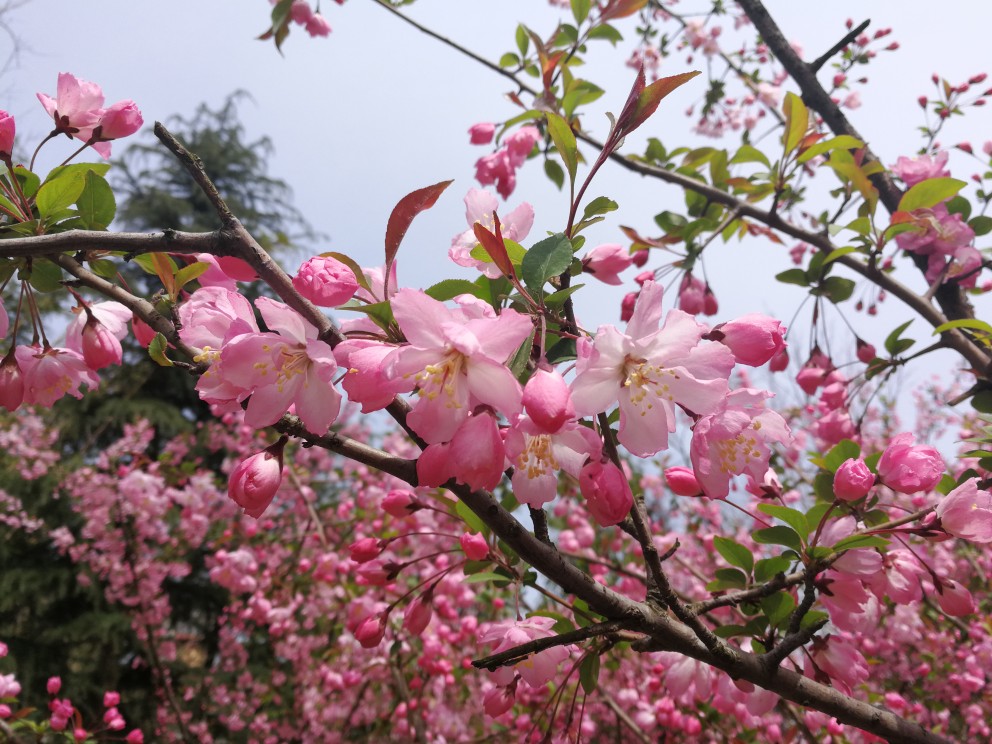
(683, 481)
(627, 306)
(300, 11)
(5, 712)
(256, 479)
(639, 257)
(134, 736)
(498, 700)
(548, 401)
(475, 546)
(607, 492)
(143, 333)
(477, 452)
(481, 133)
(964, 147)
(325, 281)
(418, 616)
(6, 135)
(400, 503)
(111, 699)
(54, 685)
(605, 262)
(372, 574)
(754, 338)
(691, 292)
(779, 362)
(79, 734)
(11, 382)
(120, 120)
(906, 468)
(644, 276)
(371, 631)
(318, 26)
(100, 347)
(955, 599)
(365, 550)
(853, 480)
(866, 352)
(922, 100)
(710, 305)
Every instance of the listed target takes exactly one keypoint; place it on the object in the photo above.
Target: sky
(378, 109)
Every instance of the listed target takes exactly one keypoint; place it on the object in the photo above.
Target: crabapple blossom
(97, 331)
(325, 281)
(475, 546)
(480, 206)
(682, 481)
(909, 468)
(255, 480)
(548, 401)
(6, 136)
(120, 120)
(605, 262)
(49, 373)
(922, 168)
(481, 133)
(317, 26)
(606, 491)
(853, 480)
(955, 599)
(371, 631)
(966, 512)
(418, 615)
(650, 370)
(538, 457)
(536, 669)
(76, 108)
(753, 338)
(11, 382)
(400, 503)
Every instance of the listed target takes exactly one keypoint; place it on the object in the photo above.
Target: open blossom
(909, 468)
(256, 479)
(921, 168)
(474, 456)
(538, 457)
(966, 512)
(650, 371)
(479, 208)
(50, 373)
(605, 262)
(78, 112)
(536, 669)
(290, 367)
(500, 167)
(96, 333)
(735, 440)
(455, 357)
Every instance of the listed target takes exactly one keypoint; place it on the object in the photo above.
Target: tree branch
(515, 654)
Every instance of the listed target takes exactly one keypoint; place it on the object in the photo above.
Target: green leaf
(731, 577)
(518, 362)
(103, 267)
(607, 32)
(381, 313)
(28, 181)
(844, 450)
(811, 618)
(844, 141)
(959, 205)
(551, 257)
(562, 350)
(599, 205)
(837, 253)
(779, 535)
(768, 568)
(795, 519)
(734, 553)
(96, 204)
(796, 121)
(837, 289)
(982, 401)
(514, 251)
(982, 225)
(729, 631)
(777, 607)
(448, 289)
(59, 193)
(892, 340)
(557, 299)
(564, 139)
(45, 276)
(793, 276)
(156, 350)
(554, 171)
(750, 154)
(580, 10)
(509, 60)
(522, 39)
(929, 193)
(188, 273)
(470, 518)
(485, 577)
(589, 671)
(970, 323)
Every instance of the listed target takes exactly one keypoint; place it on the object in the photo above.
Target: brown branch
(621, 714)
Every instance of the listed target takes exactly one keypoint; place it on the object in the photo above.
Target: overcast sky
(377, 109)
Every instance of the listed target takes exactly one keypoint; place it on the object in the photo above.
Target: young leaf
(403, 213)
(929, 193)
(551, 257)
(734, 553)
(589, 673)
(564, 139)
(494, 246)
(96, 203)
(649, 98)
(156, 350)
(795, 519)
(796, 121)
(448, 289)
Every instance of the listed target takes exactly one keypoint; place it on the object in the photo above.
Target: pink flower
(908, 469)
(400, 503)
(368, 380)
(325, 281)
(734, 440)
(288, 368)
(538, 457)
(318, 26)
(853, 480)
(213, 315)
(96, 333)
(548, 401)
(143, 333)
(966, 512)
(475, 546)
(9, 686)
(120, 120)
(954, 599)
(865, 352)
(499, 700)
(6, 135)
(135, 736)
(418, 615)
(536, 669)
(481, 133)
(76, 108)
(479, 208)
(606, 491)
(691, 294)
(914, 170)
(300, 12)
(779, 362)
(371, 631)
(650, 371)
(455, 357)
(53, 685)
(11, 382)
(50, 373)
(256, 479)
(839, 660)
(754, 338)
(627, 305)
(476, 452)
(682, 481)
(111, 699)
(605, 262)
(365, 550)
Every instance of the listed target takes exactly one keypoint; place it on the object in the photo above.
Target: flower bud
(6, 135)
(371, 631)
(639, 257)
(418, 615)
(498, 700)
(682, 481)
(753, 338)
(54, 685)
(481, 133)
(605, 262)
(865, 351)
(906, 468)
(256, 479)
(607, 492)
(853, 480)
(954, 599)
(120, 120)
(548, 401)
(400, 503)
(325, 281)
(365, 550)
(475, 546)
(627, 306)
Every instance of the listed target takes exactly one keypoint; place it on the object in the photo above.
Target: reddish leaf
(494, 246)
(621, 9)
(165, 272)
(639, 240)
(403, 213)
(650, 97)
(548, 66)
(631, 103)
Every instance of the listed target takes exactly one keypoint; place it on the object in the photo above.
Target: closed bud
(682, 481)
(853, 480)
(606, 491)
(418, 615)
(475, 546)
(371, 631)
